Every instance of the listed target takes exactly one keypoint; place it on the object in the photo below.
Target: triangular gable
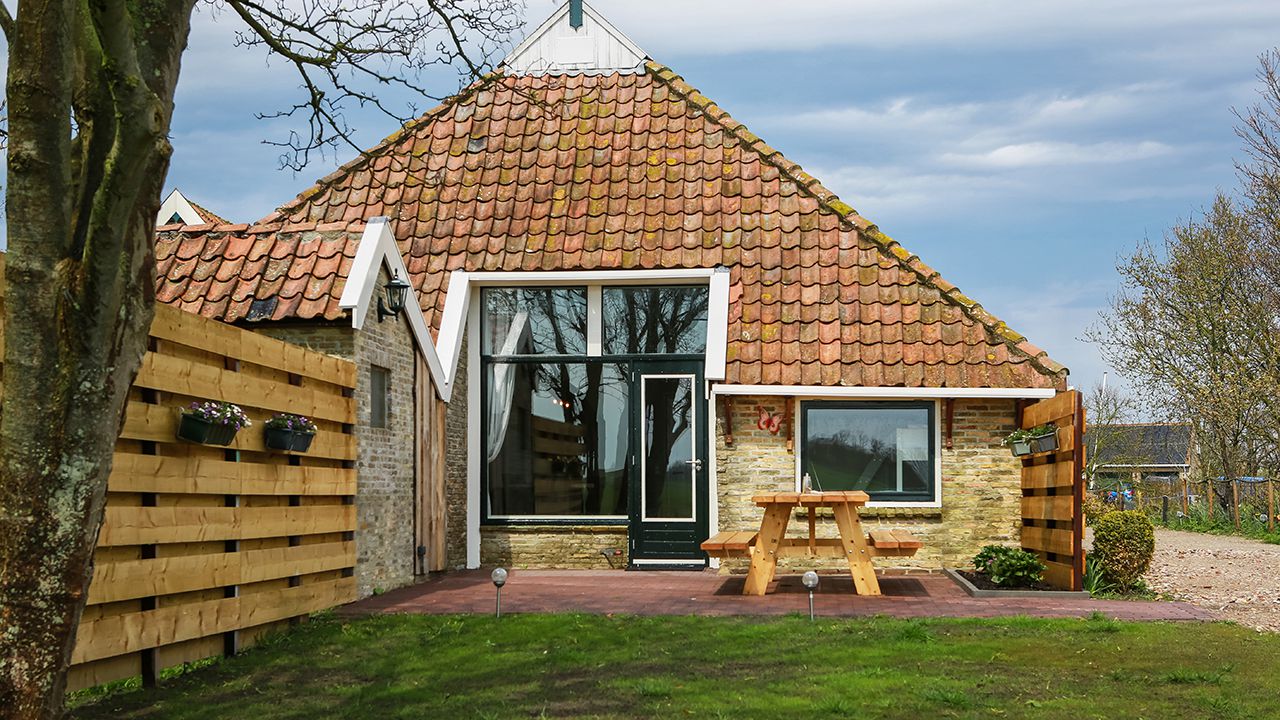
(377, 250)
(177, 205)
(556, 47)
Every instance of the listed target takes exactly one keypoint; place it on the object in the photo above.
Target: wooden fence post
(1208, 495)
(1271, 505)
(1235, 502)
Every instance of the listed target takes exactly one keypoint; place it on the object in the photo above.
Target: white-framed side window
(887, 449)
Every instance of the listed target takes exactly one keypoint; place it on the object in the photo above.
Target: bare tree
(1107, 408)
(90, 93)
(1195, 328)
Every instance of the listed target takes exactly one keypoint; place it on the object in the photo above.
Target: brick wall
(981, 487)
(578, 547)
(384, 493)
(455, 490)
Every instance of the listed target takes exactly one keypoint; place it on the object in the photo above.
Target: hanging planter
(1018, 442)
(212, 423)
(1044, 438)
(289, 432)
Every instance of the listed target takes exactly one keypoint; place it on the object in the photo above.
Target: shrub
(1123, 542)
(1009, 567)
(1094, 508)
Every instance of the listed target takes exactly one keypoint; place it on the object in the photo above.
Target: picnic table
(771, 543)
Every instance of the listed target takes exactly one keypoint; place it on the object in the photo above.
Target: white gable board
(556, 48)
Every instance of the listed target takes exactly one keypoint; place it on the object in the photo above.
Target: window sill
(881, 511)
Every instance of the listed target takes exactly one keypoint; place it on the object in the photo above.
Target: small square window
(379, 396)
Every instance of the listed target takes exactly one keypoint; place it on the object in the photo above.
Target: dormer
(575, 40)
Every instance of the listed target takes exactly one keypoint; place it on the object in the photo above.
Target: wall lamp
(395, 293)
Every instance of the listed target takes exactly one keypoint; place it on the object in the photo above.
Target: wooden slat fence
(1053, 491)
(204, 549)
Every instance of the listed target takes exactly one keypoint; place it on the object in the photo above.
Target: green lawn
(626, 667)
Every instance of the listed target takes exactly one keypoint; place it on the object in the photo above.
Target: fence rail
(204, 549)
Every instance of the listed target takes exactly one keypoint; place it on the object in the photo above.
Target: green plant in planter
(1044, 438)
(1019, 442)
(1123, 543)
(212, 423)
(1009, 567)
(286, 431)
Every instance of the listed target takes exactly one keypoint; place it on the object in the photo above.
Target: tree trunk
(79, 281)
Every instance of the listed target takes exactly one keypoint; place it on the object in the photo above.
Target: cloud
(1041, 154)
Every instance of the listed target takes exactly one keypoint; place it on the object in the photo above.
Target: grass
(1222, 522)
(579, 666)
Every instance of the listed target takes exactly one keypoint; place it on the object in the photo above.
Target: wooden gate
(1053, 491)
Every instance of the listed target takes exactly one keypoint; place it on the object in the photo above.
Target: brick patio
(709, 593)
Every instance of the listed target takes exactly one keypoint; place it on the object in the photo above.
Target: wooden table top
(812, 499)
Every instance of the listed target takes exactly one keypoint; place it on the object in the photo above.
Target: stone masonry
(981, 487)
(384, 492)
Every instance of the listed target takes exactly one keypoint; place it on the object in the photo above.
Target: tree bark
(80, 273)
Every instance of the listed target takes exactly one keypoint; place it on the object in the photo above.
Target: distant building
(1140, 452)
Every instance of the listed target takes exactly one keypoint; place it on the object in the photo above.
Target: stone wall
(455, 489)
(981, 486)
(542, 546)
(384, 492)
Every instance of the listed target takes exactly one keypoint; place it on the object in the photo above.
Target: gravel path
(1237, 578)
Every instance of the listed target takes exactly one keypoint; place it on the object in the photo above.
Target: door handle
(696, 463)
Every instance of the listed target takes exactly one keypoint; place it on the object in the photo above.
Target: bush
(1123, 542)
(1009, 567)
(1094, 508)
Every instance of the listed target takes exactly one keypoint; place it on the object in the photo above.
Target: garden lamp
(810, 580)
(499, 578)
(393, 302)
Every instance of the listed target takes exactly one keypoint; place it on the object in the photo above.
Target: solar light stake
(499, 578)
(810, 580)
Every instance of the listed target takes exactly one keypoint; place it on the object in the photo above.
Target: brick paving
(709, 593)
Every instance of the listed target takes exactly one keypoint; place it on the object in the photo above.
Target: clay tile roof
(641, 171)
(256, 273)
(208, 215)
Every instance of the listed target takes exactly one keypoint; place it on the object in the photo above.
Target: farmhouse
(629, 314)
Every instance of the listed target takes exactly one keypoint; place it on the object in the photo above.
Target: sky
(1018, 147)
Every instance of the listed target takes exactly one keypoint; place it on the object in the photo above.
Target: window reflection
(557, 439)
(885, 450)
(535, 321)
(668, 475)
(655, 320)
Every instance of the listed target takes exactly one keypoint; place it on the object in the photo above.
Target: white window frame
(462, 313)
(798, 443)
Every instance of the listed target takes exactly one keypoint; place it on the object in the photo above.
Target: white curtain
(503, 385)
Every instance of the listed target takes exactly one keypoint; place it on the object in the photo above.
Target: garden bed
(977, 585)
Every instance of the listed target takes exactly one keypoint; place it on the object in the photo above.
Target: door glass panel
(669, 470)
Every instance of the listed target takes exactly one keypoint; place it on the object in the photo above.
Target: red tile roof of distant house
(618, 171)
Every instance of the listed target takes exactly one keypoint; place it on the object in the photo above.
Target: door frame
(638, 557)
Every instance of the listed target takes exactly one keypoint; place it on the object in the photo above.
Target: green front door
(669, 496)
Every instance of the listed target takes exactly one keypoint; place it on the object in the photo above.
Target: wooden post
(1235, 501)
(1185, 500)
(1271, 505)
(1208, 495)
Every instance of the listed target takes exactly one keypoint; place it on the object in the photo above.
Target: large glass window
(655, 320)
(535, 321)
(885, 449)
(556, 439)
(558, 423)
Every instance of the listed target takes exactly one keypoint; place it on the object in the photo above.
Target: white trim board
(461, 283)
(881, 393)
(378, 249)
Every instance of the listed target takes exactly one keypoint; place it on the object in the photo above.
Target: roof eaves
(829, 201)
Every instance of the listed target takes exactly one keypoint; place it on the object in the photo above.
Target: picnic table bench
(765, 547)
